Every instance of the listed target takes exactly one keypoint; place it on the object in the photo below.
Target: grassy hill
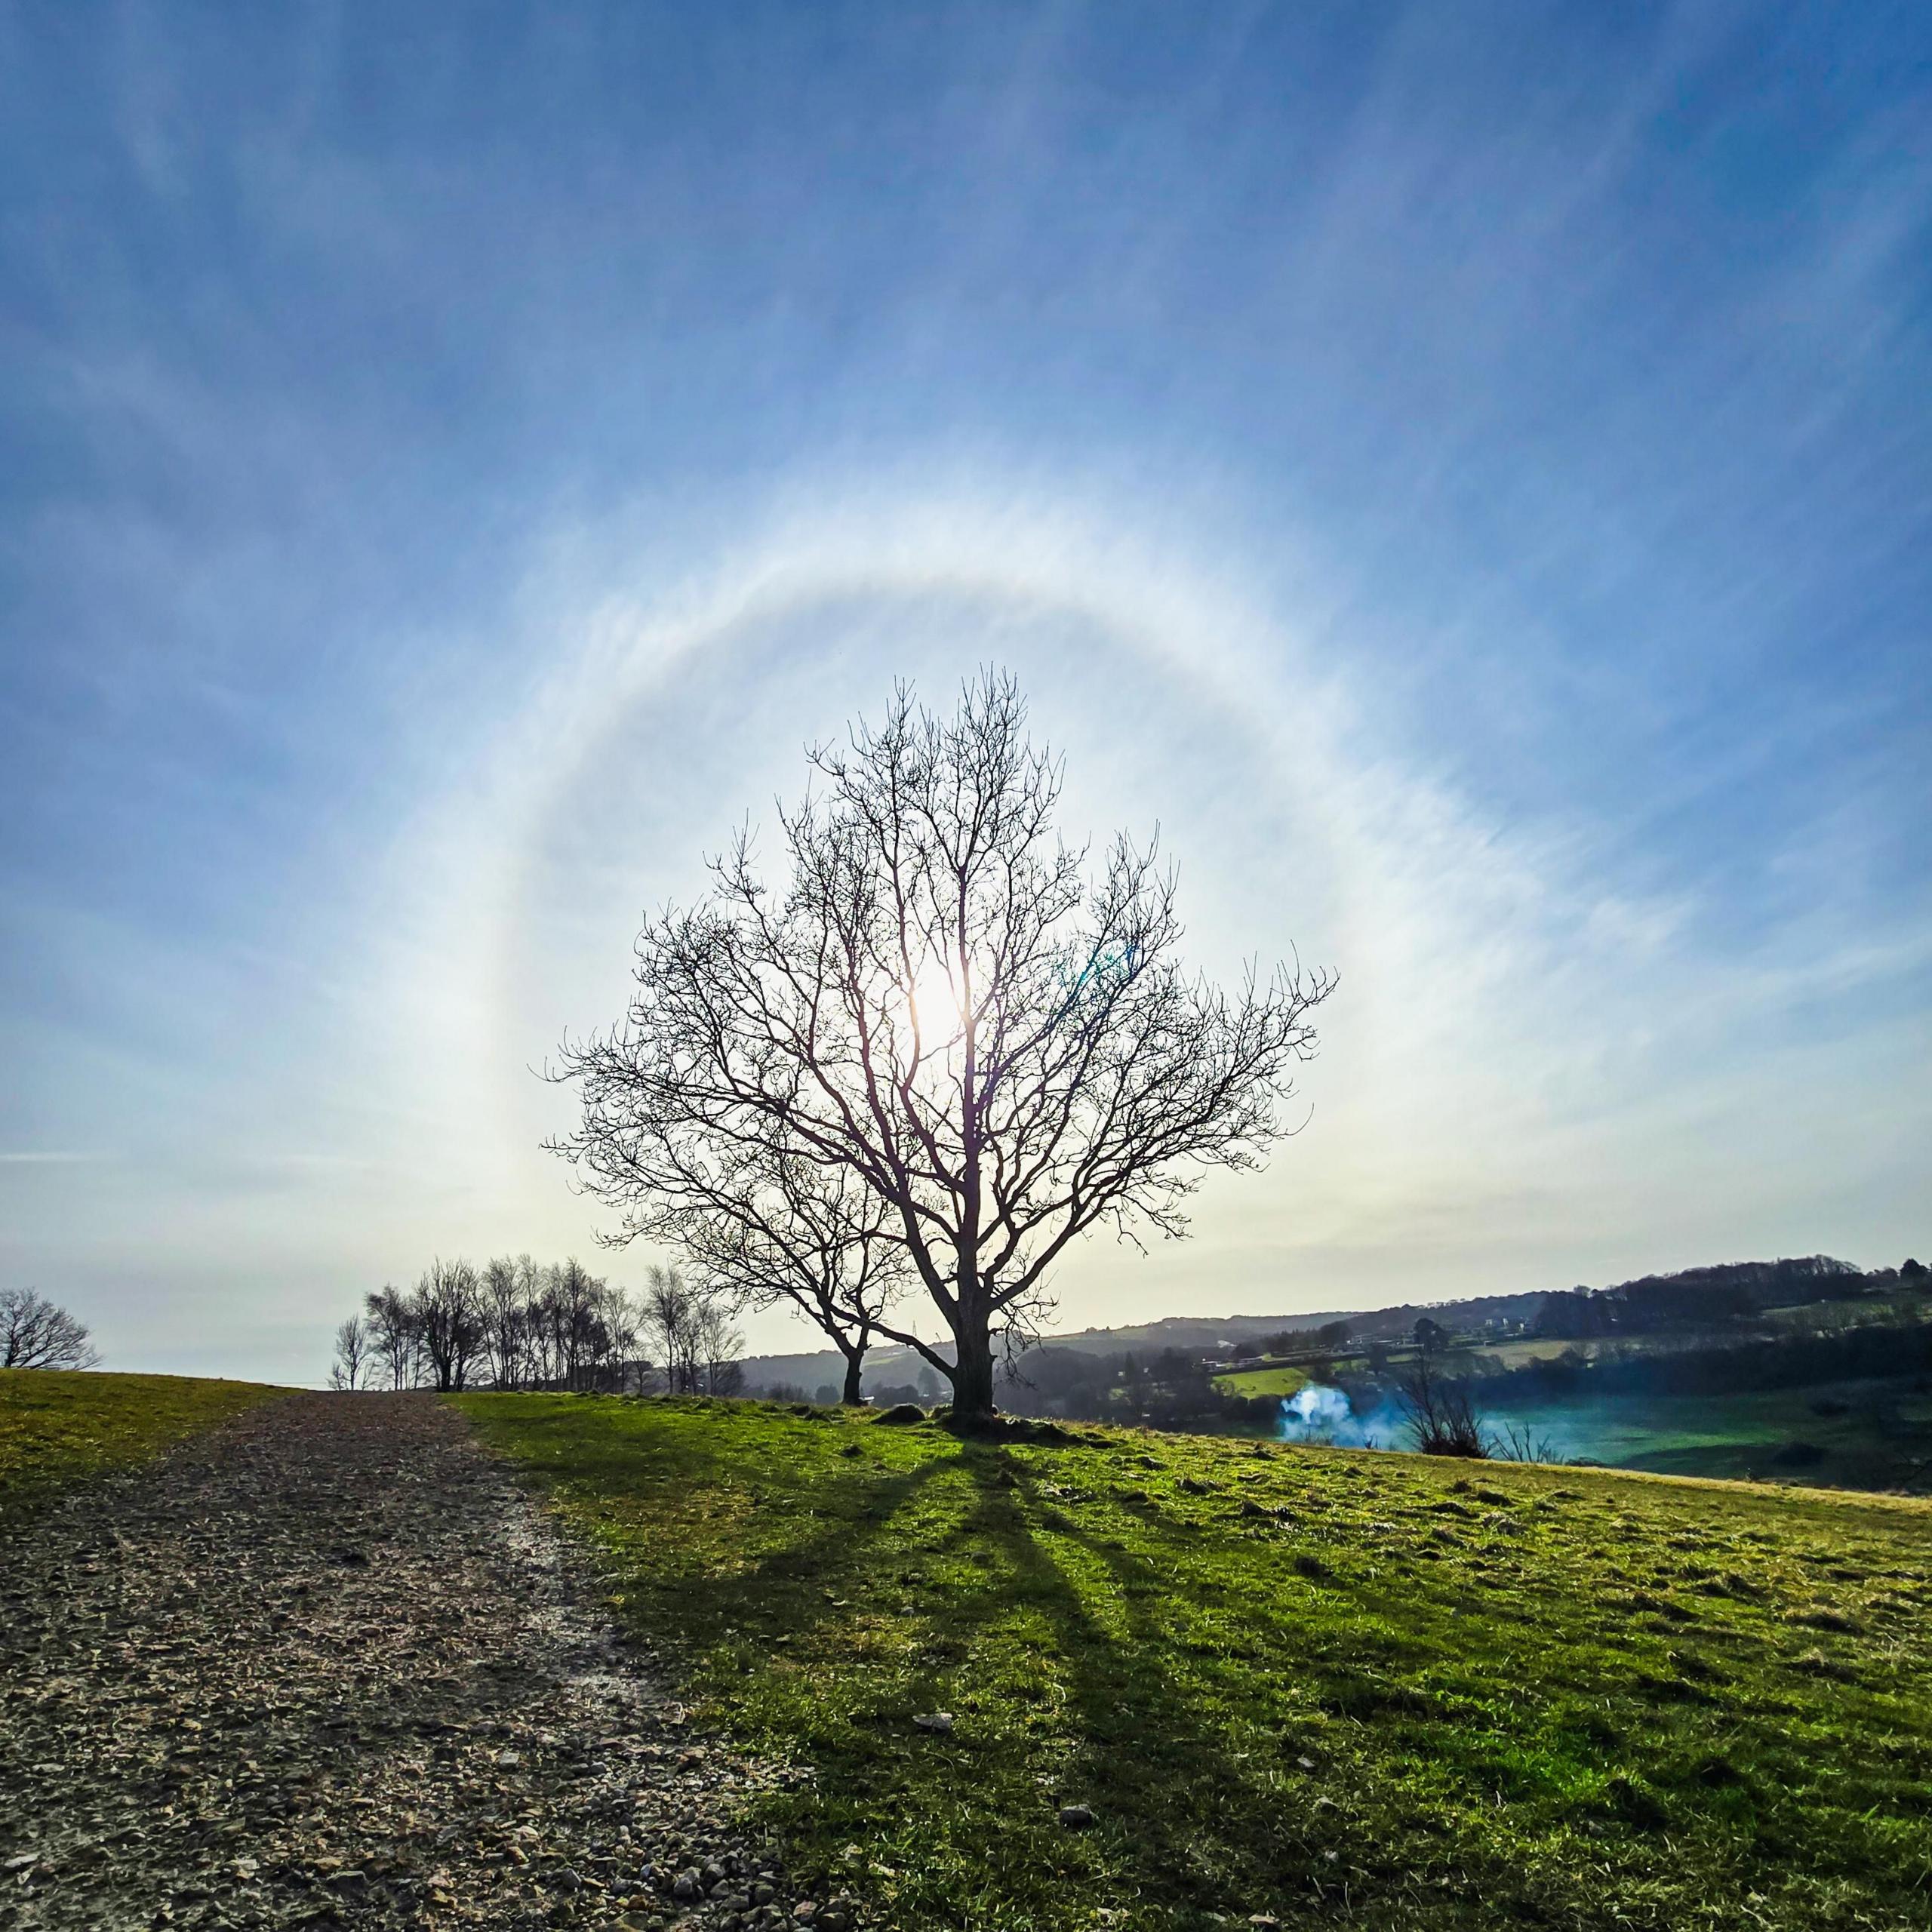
(1303, 1683)
(60, 1426)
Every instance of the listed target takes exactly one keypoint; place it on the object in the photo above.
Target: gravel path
(327, 1665)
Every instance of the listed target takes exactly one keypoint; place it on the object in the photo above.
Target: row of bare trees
(514, 1323)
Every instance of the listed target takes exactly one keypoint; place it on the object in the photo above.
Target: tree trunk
(972, 1368)
(855, 1361)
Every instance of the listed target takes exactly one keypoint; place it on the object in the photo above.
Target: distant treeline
(1694, 1297)
(1709, 1297)
(516, 1323)
(1791, 1361)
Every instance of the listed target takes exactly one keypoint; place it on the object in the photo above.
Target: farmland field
(1264, 1381)
(1860, 1434)
(1299, 1682)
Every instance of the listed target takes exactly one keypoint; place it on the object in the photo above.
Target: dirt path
(326, 1665)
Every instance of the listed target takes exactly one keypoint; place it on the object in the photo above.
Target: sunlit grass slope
(1307, 1682)
(57, 1426)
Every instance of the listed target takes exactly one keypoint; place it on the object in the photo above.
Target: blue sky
(1465, 472)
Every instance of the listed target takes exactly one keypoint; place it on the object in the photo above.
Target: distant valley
(1810, 1369)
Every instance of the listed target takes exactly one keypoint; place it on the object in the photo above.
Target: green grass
(1864, 1434)
(1311, 1683)
(59, 1426)
(1264, 1381)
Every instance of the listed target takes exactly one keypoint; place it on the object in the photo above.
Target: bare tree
(352, 1354)
(716, 1344)
(392, 1333)
(571, 1308)
(541, 1361)
(777, 1229)
(691, 1324)
(517, 1323)
(504, 1320)
(36, 1333)
(1439, 1414)
(611, 1333)
(1517, 1442)
(670, 1317)
(940, 1002)
(447, 1310)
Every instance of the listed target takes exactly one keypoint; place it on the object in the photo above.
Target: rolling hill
(1117, 1677)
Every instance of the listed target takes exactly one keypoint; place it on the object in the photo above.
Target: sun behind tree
(939, 1003)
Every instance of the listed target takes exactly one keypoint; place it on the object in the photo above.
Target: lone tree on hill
(939, 1003)
(35, 1334)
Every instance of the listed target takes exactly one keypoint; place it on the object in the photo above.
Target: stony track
(327, 1665)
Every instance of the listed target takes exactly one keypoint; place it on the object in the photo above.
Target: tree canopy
(941, 1002)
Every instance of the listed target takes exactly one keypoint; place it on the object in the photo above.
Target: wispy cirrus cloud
(1465, 487)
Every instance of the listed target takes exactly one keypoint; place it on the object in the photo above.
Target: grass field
(1874, 1434)
(1306, 1683)
(59, 1426)
(1264, 1381)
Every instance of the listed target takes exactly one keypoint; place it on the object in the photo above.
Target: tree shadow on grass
(1181, 1819)
(1079, 1668)
(784, 1590)
(1207, 1796)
